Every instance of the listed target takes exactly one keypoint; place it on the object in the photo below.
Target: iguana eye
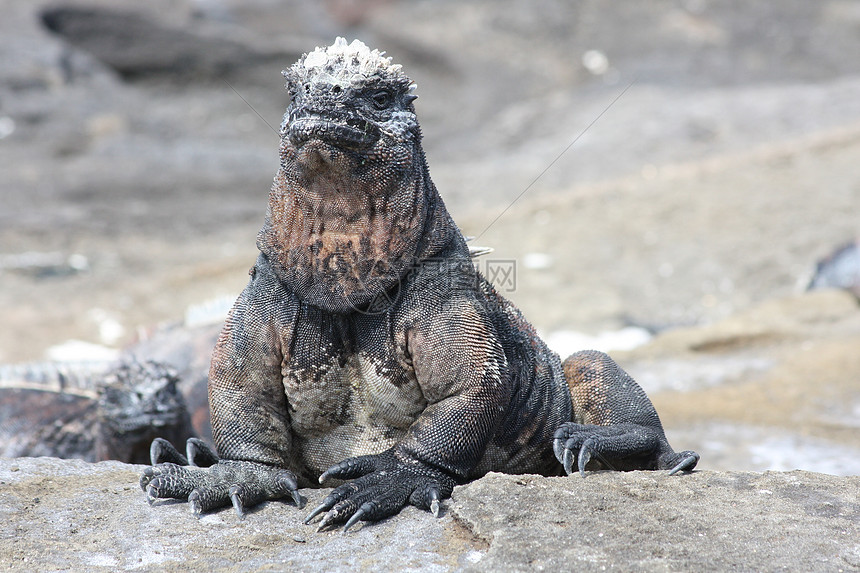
(382, 99)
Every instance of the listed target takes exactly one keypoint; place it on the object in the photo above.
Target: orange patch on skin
(587, 390)
(337, 232)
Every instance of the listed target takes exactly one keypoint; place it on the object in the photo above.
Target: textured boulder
(72, 515)
(641, 521)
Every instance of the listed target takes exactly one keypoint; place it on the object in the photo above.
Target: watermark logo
(502, 274)
(448, 276)
(381, 302)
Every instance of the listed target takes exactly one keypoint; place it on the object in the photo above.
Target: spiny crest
(344, 65)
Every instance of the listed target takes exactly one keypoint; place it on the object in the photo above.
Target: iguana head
(349, 97)
(352, 208)
(138, 402)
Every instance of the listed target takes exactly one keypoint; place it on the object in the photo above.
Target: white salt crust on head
(343, 64)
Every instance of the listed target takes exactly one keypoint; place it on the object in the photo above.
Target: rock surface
(71, 515)
(646, 521)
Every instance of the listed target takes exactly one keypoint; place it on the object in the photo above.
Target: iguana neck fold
(339, 249)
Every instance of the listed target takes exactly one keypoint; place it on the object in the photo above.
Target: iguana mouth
(350, 133)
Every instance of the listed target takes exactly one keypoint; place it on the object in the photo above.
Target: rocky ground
(674, 167)
(69, 515)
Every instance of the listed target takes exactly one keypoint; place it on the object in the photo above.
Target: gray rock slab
(68, 515)
(649, 521)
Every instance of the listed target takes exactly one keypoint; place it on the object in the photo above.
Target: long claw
(163, 451)
(324, 476)
(687, 462)
(316, 511)
(298, 499)
(585, 455)
(151, 493)
(434, 501)
(194, 503)
(558, 448)
(355, 517)
(199, 453)
(236, 500)
(327, 519)
(567, 461)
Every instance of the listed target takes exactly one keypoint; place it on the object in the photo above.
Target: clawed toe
(218, 483)
(162, 451)
(356, 516)
(573, 444)
(146, 478)
(687, 463)
(236, 500)
(151, 493)
(316, 511)
(194, 503)
(199, 453)
(567, 460)
(325, 522)
(585, 450)
(298, 499)
(387, 486)
(622, 446)
(433, 496)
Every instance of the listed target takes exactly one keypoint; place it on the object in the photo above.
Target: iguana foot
(624, 431)
(618, 447)
(384, 486)
(225, 482)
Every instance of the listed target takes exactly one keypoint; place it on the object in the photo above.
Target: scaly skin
(366, 347)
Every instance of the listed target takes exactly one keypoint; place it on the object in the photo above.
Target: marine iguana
(367, 348)
(93, 412)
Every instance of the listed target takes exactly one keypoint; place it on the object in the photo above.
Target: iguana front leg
(462, 372)
(615, 425)
(249, 416)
